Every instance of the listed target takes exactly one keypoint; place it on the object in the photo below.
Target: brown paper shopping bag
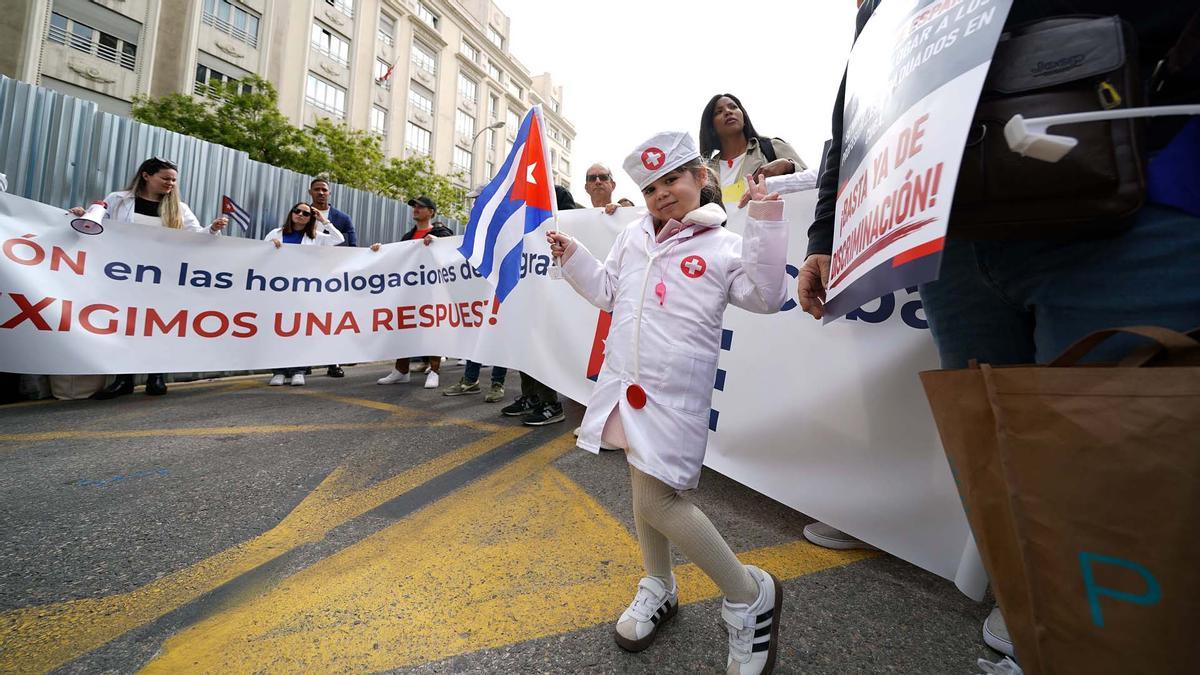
(1082, 487)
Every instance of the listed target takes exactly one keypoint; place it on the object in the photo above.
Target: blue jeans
(1024, 302)
(471, 373)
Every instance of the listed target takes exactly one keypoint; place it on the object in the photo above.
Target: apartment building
(427, 76)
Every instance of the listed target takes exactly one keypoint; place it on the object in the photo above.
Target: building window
(344, 6)
(491, 143)
(464, 125)
(383, 73)
(378, 120)
(421, 99)
(514, 122)
(467, 88)
(494, 71)
(416, 138)
(86, 39)
(555, 105)
(427, 15)
(207, 80)
(463, 160)
(324, 41)
(493, 108)
(387, 30)
(496, 38)
(470, 51)
(423, 58)
(491, 170)
(232, 20)
(326, 96)
(515, 89)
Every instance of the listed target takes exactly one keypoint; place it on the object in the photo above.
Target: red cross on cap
(693, 266)
(652, 158)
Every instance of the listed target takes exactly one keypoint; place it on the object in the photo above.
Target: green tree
(244, 115)
(414, 176)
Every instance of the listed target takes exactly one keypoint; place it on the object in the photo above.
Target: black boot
(335, 371)
(119, 387)
(156, 385)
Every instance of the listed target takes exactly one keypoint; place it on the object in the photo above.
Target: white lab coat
(120, 209)
(327, 235)
(671, 349)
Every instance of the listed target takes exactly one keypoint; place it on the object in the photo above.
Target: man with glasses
(600, 186)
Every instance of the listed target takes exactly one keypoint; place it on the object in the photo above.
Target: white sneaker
(995, 633)
(431, 380)
(650, 609)
(298, 380)
(754, 628)
(394, 377)
(277, 380)
(575, 431)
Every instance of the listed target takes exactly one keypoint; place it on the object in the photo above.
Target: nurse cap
(659, 155)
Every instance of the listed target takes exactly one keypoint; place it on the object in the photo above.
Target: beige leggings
(662, 515)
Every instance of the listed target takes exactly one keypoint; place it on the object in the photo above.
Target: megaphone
(89, 222)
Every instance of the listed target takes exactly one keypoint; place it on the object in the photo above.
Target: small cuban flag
(515, 203)
(235, 213)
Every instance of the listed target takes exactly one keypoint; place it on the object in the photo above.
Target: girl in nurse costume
(667, 281)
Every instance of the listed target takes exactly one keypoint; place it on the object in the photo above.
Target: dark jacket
(437, 231)
(1157, 22)
(344, 225)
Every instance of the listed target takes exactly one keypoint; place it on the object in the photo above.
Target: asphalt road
(347, 526)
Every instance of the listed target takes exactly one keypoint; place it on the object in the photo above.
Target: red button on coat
(636, 396)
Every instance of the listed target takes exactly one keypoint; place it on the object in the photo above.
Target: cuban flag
(235, 213)
(515, 203)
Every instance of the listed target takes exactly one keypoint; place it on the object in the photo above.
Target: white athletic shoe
(650, 609)
(431, 380)
(277, 380)
(754, 628)
(298, 380)
(394, 377)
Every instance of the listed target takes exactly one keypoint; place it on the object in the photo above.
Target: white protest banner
(912, 83)
(859, 451)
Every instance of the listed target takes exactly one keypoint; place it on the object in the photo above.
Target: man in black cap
(426, 230)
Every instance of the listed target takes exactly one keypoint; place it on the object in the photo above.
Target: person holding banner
(667, 280)
(425, 231)
(1026, 297)
(150, 199)
(300, 227)
(726, 129)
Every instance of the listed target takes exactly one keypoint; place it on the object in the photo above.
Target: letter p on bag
(1150, 595)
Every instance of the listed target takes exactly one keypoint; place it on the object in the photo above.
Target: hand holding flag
(235, 213)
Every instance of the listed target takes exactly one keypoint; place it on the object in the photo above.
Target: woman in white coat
(151, 199)
(305, 226)
(667, 280)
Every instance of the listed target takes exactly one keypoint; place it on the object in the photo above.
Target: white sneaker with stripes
(653, 605)
(754, 628)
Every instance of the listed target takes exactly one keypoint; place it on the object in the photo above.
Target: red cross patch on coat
(693, 266)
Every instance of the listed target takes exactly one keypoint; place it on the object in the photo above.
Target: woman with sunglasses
(151, 199)
(306, 226)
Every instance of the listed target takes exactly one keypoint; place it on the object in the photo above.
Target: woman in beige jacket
(726, 130)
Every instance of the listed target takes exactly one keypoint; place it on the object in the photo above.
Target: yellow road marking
(415, 413)
(522, 554)
(393, 423)
(44, 637)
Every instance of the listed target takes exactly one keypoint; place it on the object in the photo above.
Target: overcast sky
(630, 68)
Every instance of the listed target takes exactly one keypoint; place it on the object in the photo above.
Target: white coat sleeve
(331, 236)
(274, 235)
(757, 280)
(191, 223)
(595, 282)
